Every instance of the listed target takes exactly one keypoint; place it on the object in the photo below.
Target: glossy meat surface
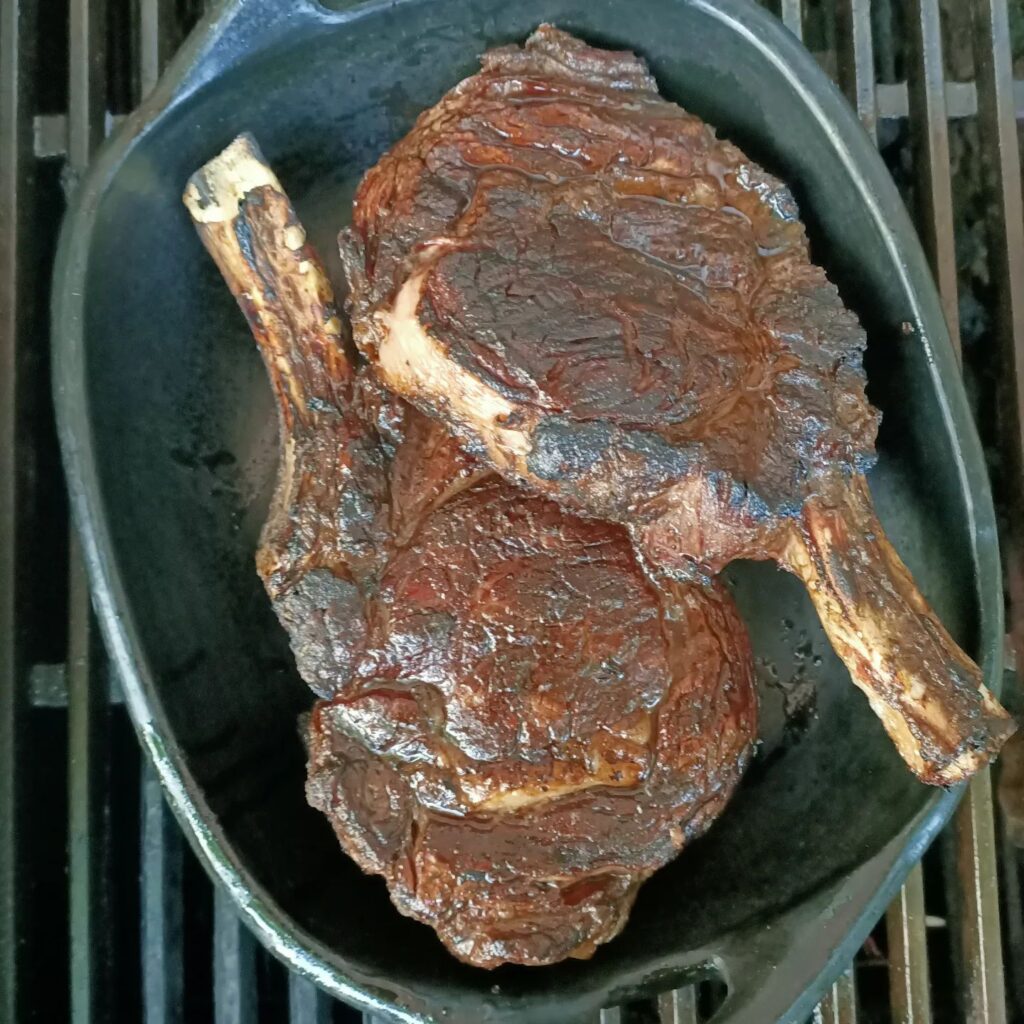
(518, 725)
(617, 309)
(543, 726)
(593, 251)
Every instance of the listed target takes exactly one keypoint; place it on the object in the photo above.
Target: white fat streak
(516, 799)
(413, 363)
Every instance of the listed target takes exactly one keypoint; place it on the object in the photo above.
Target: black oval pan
(168, 434)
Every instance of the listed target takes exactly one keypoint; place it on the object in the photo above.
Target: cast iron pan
(169, 440)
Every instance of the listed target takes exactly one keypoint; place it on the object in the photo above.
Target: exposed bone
(925, 689)
(249, 227)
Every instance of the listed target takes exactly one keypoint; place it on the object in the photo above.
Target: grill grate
(148, 938)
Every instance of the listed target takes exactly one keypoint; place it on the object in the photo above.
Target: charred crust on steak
(590, 210)
(521, 725)
(619, 310)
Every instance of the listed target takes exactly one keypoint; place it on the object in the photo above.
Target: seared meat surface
(533, 728)
(617, 309)
(517, 726)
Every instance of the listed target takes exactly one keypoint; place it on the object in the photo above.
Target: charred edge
(563, 450)
(246, 242)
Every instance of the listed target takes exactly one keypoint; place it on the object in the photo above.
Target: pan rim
(275, 928)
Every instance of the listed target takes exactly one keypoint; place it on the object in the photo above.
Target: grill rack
(104, 913)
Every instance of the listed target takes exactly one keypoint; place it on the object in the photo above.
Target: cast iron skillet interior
(170, 442)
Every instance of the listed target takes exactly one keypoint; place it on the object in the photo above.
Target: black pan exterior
(169, 438)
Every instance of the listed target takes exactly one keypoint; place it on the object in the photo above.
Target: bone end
(214, 192)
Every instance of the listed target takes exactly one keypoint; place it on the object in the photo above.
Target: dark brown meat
(617, 308)
(519, 726)
(544, 729)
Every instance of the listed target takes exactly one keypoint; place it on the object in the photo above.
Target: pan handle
(780, 969)
(229, 31)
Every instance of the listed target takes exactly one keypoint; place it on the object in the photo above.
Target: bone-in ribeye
(517, 726)
(617, 309)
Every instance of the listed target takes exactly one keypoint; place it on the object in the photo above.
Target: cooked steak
(618, 309)
(519, 726)
(533, 728)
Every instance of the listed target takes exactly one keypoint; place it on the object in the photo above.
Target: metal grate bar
(998, 132)
(162, 907)
(306, 1003)
(857, 61)
(908, 953)
(679, 1006)
(48, 686)
(50, 136)
(981, 959)
(162, 910)
(792, 14)
(17, 26)
(234, 965)
(961, 100)
(87, 814)
(156, 41)
(840, 1005)
(890, 99)
(87, 690)
(610, 1015)
(930, 135)
(86, 81)
(894, 101)
(1012, 913)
